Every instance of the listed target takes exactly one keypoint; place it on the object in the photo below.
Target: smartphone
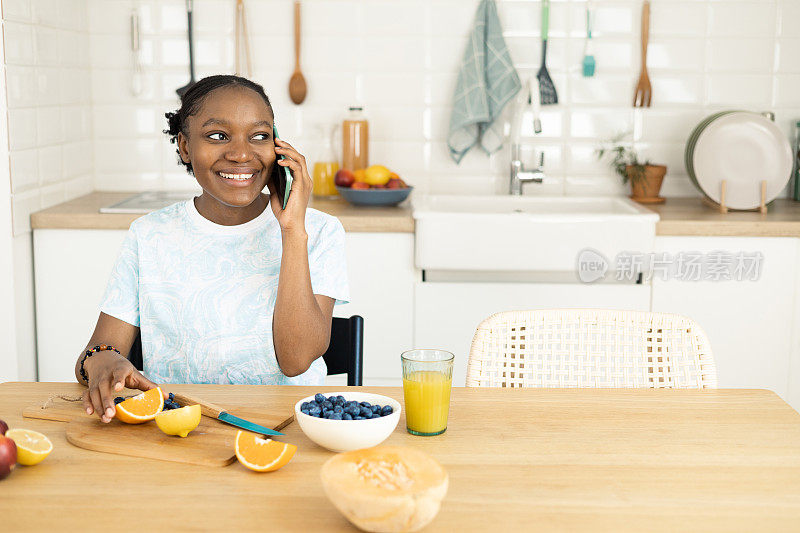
(282, 176)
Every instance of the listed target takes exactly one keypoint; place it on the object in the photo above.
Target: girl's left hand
(293, 217)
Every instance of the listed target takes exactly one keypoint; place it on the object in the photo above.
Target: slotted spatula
(182, 90)
(546, 87)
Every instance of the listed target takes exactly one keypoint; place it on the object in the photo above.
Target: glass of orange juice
(324, 172)
(427, 378)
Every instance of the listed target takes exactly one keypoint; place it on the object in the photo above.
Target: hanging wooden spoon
(297, 83)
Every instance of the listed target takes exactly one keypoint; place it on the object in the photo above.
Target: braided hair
(193, 99)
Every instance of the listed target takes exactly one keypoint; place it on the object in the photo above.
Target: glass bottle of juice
(355, 140)
(325, 168)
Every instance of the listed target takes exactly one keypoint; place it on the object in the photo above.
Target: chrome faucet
(526, 110)
(521, 175)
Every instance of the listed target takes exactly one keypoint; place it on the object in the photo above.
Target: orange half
(141, 408)
(261, 454)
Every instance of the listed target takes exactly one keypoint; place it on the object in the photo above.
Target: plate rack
(724, 208)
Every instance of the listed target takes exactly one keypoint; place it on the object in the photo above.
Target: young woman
(228, 287)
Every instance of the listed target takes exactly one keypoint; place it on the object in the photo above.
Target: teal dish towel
(486, 82)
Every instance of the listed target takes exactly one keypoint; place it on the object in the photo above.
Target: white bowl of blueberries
(344, 421)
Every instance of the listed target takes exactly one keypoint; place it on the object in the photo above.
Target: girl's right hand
(109, 372)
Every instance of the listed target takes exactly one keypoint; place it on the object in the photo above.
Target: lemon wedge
(179, 421)
(32, 446)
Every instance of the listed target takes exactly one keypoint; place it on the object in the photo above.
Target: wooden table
(518, 460)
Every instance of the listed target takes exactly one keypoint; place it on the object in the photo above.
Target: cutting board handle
(207, 408)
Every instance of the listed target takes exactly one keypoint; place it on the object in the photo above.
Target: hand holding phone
(286, 179)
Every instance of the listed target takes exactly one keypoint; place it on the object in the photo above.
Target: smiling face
(232, 152)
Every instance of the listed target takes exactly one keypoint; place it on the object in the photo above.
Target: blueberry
(338, 409)
(387, 410)
(118, 399)
(304, 411)
(326, 413)
(319, 398)
(171, 396)
(353, 410)
(340, 399)
(327, 405)
(365, 411)
(350, 404)
(347, 416)
(376, 409)
(358, 418)
(314, 409)
(304, 405)
(365, 404)
(336, 416)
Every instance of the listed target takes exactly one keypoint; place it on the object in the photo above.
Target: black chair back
(345, 354)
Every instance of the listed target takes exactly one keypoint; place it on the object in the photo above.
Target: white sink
(526, 233)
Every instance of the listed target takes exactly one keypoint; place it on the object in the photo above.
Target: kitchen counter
(84, 213)
(691, 217)
(679, 216)
(553, 459)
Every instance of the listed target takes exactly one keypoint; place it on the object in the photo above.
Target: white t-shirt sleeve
(327, 262)
(121, 299)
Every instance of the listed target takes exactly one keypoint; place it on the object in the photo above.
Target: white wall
(8, 352)
(400, 59)
(48, 148)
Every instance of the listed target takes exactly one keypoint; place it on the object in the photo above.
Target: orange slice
(141, 408)
(261, 454)
(32, 446)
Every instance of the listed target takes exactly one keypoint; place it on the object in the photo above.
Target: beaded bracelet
(90, 352)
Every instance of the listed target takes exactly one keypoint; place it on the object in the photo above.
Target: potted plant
(645, 177)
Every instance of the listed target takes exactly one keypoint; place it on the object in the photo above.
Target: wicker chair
(590, 348)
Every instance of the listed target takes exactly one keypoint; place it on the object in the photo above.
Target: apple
(3, 428)
(8, 456)
(360, 185)
(377, 186)
(395, 183)
(344, 178)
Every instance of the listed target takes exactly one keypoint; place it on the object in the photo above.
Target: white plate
(689, 151)
(743, 148)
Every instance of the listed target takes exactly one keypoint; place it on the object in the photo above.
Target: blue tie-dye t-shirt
(203, 294)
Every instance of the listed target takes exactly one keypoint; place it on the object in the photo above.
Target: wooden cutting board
(210, 444)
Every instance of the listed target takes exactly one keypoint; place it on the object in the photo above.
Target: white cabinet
(72, 268)
(382, 275)
(448, 313)
(751, 324)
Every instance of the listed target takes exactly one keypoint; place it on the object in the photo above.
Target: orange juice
(427, 399)
(324, 173)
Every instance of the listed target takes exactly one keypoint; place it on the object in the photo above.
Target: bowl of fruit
(344, 421)
(376, 185)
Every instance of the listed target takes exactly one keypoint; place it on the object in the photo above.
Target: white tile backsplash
(23, 123)
(75, 124)
(742, 19)
(24, 169)
(48, 87)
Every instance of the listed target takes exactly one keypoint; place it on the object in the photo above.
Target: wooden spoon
(297, 83)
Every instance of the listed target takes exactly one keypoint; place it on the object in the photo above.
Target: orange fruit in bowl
(360, 175)
(141, 408)
(261, 454)
(32, 446)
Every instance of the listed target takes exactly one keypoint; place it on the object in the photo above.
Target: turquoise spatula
(588, 59)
